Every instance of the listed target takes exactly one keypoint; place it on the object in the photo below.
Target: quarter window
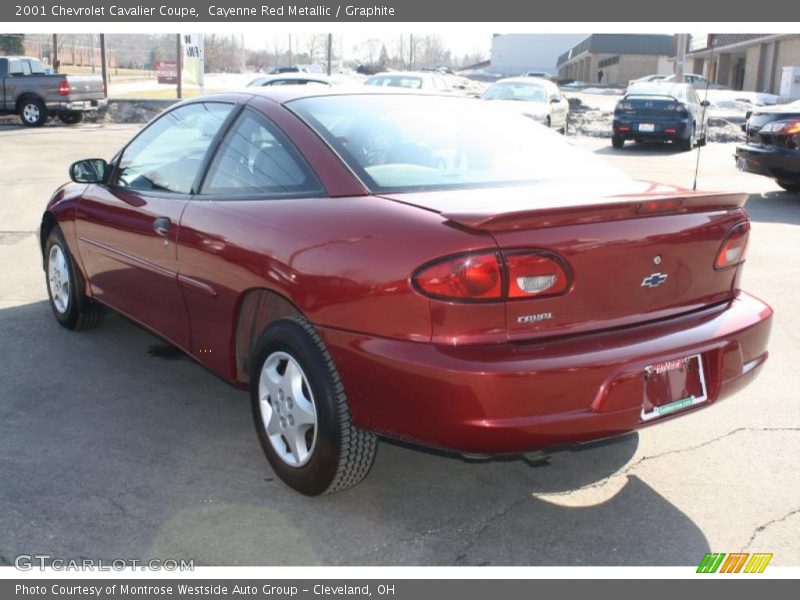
(256, 159)
(166, 157)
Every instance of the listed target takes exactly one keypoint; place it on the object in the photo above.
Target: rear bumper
(77, 105)
(629, 129)
(771, 161)
(512, 398)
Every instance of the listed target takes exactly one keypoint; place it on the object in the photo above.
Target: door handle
(161, 226)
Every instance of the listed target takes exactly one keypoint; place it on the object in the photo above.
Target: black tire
(687, 144)
(32, 112)
(793, 188)
(617, 141)
(341, 454)
(72, 117)
(78, 312)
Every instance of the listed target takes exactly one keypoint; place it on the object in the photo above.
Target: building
(752, 62)
(516, 53)
(616, 58)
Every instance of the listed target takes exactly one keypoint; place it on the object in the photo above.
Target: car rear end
(773, 146)
(569, 309)
(649, 115)
(602, 322)
(75, 93)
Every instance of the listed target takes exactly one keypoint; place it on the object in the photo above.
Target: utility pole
(179, 65)
(103, 66)
(681, 58)
(55, 53)
(290, 49)
(330, 52)
(91, 53)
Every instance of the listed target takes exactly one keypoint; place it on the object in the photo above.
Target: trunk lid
(637, 251)
(651, 106)
(85, 87)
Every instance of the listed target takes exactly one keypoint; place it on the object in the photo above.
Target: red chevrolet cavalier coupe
(424, 268)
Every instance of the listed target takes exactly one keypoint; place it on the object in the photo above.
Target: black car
(661, 111)
(773, 145)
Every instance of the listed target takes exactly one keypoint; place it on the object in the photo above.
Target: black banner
(616, 11)
(396, 589)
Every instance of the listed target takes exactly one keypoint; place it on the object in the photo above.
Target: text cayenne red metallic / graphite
(418, 267)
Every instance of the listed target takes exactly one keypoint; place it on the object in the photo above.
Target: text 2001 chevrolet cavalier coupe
(418, 267)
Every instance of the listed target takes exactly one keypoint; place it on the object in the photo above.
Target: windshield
(527, 92)
(412, 143)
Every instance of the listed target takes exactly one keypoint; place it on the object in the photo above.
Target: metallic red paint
(470, 377)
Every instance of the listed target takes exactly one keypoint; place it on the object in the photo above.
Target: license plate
(87, 104)
(672, 386)
(649, 127)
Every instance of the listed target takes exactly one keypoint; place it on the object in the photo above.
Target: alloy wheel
(288, 410)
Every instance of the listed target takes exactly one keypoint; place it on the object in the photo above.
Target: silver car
(538, 99)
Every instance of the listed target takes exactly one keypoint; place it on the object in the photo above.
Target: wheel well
(48, 223)
(257, 309)
(25, 97)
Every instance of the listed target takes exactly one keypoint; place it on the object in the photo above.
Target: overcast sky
(458, 44)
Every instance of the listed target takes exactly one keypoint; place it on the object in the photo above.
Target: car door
(257, 188)
(127, 229)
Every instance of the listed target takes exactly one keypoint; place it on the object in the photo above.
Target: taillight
(623, 105)
(63, 88)
(486, 276)
(535, 274)
(783, 133)
(475, 276)
(733, 248)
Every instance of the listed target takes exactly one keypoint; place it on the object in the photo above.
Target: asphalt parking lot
(113, 448)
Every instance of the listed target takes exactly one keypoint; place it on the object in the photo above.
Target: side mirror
(705, 103)
(88, 170)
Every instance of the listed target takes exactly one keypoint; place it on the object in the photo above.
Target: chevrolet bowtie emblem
(654, 280)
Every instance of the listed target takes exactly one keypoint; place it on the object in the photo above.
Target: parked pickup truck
(29, 91)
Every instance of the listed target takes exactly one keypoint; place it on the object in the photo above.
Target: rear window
(658, 89)
(395, 81)
(413, 143)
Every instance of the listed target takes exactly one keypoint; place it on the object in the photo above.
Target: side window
(36, 67)
(19, 68)
(256, 159)
(166, 156)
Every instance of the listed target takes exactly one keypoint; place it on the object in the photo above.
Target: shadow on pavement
(641, 149)
(109, 451)
(774, 207)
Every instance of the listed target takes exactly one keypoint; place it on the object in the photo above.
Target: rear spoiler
(631, 208)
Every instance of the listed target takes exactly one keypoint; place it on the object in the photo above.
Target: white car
(538, 99)
(426, 81)
(647, 79)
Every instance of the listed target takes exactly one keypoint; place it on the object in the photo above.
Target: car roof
(290, 77)
(283, 94)
(407, 74)
(526, 80)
